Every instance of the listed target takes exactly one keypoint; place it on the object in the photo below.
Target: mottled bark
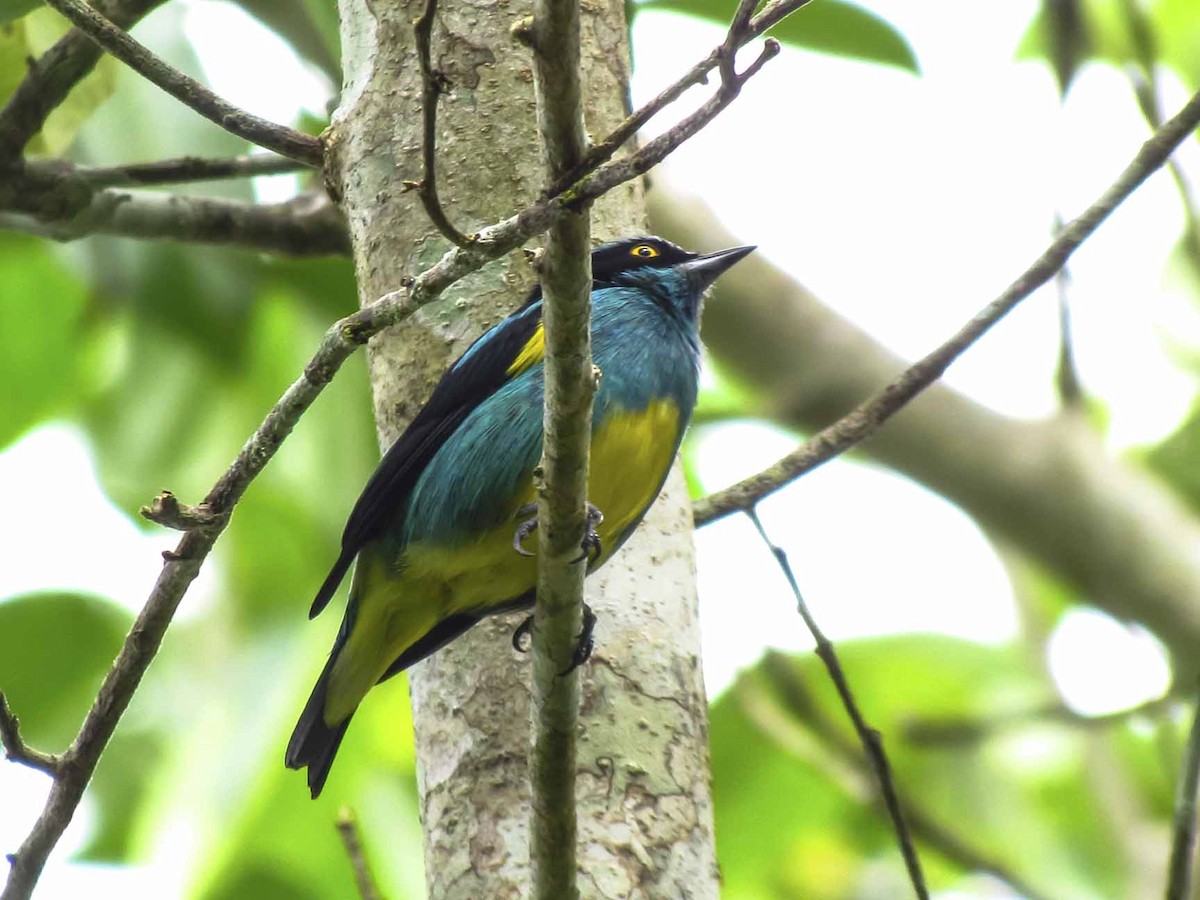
(645, 811)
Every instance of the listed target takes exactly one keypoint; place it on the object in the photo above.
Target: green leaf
(32, 36)
(1101, 34)
(54, 651)
(40, 307)
(1174, 30)
(827, 26)
(1177, 31)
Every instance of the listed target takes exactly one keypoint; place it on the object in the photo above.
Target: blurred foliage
(54, 650)
(830, 26)
(169, 356)
(973, 735)
(1127, 32)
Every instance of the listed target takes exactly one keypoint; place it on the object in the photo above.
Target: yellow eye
(644, 251)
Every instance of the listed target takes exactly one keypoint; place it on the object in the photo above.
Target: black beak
(704, 270)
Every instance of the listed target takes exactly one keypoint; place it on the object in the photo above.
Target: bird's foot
(584, 644)
(591, 545)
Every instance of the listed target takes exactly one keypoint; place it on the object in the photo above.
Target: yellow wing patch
(531, 354)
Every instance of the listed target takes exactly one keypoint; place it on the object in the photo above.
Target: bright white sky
(907, 243)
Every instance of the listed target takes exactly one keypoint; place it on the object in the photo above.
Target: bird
(436, 536)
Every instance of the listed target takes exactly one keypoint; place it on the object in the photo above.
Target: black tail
(330, 586)
(314, 743)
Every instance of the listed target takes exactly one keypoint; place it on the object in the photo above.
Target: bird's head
(659, 267)
(662, 269)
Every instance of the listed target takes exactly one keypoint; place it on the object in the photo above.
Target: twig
(734, 38)
(801, 707)
(52, 77)
(949, 732)
(1143, 76)
(1066, 374)
(662, 146)
(872, 740)
(866, 418)
(166, 510)
(15, 747)
(433, 84)
(283, 140)
(603, 151)
(1183, 844)
(364, 881)
(187, 169)
(53, 200)
(565, 274)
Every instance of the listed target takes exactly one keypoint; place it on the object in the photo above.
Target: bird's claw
(584, 644)
(522, 638)
(591, 544)
(524, 530)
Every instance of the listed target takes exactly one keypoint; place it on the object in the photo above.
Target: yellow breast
(399, 601)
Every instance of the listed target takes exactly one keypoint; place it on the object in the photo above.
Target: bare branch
(433, 83)
(52, 77)
(865, 419)
(55, 200)
(871, 740)
(570, 385)
(1183, 843)
(187, 169)
(15, 748)
(364, 881)
(283, 140)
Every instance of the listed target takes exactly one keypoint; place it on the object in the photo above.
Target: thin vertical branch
(433, 85)
(872, 740)
(570, 386)
(1183, 845)
(1066, 375)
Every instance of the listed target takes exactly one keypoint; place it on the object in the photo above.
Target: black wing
(470, 381)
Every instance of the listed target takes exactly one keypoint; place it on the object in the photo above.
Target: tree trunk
(645, 812)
